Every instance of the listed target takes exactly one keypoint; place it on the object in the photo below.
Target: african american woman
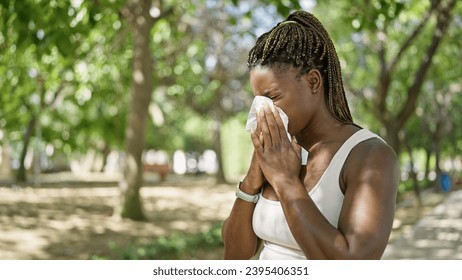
(334, 200)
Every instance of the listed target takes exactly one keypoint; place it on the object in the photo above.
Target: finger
(272, 124)
(280, 124)
(297, 148)
(263, 124)
(257, 143)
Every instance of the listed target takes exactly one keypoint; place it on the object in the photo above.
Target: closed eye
(272, 94)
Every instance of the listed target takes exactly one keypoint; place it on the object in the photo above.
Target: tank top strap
(340, 157)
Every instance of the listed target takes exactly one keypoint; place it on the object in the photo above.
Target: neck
(322, 131)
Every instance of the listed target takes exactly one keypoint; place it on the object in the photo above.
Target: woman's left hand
(279, 157)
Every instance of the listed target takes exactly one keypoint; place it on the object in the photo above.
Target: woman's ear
(314, 80)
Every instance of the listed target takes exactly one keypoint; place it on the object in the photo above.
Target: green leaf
(64, 45)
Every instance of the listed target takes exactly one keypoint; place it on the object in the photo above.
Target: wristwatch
(245, 196)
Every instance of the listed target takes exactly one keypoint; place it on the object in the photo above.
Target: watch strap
(245, 196)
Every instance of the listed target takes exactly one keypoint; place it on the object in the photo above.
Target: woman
(339, 202)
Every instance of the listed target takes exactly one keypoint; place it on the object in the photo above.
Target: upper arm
(371, 177)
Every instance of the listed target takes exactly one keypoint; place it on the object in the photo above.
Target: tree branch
(386, 69)
(434, 6)
(56, 94)
(443, 20)
(384, 77)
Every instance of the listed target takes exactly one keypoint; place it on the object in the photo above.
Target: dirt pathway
(74, 220)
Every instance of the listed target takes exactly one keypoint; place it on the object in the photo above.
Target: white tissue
(251, 125)
(257, 104)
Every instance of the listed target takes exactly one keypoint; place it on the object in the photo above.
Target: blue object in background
(445, 182)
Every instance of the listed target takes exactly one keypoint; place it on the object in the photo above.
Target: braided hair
(302, 42)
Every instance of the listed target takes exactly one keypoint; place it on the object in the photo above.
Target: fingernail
(272, 107)
(275, 111)
(257, 110)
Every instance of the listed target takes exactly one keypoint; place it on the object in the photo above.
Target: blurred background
(122, 122)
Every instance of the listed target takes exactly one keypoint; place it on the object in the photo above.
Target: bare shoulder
(372, 161)
(374, 150)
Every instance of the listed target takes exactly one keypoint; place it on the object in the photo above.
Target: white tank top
(269, 222)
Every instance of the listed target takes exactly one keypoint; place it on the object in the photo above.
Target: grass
(177, 246)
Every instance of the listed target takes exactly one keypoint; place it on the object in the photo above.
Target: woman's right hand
(254, 179)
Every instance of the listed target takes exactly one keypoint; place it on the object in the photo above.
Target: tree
(438, 112)
(137, 12)
(39, 50)
(387, 31)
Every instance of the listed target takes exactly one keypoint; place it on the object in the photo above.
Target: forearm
(238, 236)
(317, 238)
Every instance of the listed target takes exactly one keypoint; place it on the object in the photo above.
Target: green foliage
(368, 36)
(283, 7)
(57, 65)
(176, 246)
(407, 186)
(371, 15)
(199, 49)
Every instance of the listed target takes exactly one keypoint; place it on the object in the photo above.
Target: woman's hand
(254, 179)
(278, 158)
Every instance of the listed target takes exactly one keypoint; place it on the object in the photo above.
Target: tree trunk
(392, 135)
(220, 176)
(436, 150)
(428, 153)
(21, 176)
(141, 22)
(105, 153)
(437, 137)
(413, 176)
(5, 168)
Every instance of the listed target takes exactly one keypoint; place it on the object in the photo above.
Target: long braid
(302, 41)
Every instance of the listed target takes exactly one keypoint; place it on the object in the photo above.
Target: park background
(122, 122)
